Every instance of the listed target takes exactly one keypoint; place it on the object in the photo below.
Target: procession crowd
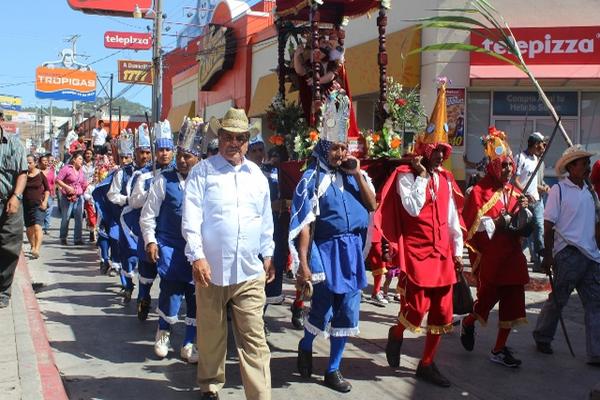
(204, 214)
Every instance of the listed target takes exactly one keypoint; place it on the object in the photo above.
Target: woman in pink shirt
(72, 184)
(50, 174)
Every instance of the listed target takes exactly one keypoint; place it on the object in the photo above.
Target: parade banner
(137, 72)
(12, 103)
(455, 104)
(127, 40)
(65, 84)
(124, 8)
(547, 45)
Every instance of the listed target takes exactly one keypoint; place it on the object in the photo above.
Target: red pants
(419, 300)
(90, 211)
(512, 304)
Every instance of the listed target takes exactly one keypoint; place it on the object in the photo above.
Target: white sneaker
(162, 343)
(379, 299)
(189, 353)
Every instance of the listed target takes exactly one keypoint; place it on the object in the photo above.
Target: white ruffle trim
(170, 320)
(276, 299)
(131, 274)
(318, 277)
(314, 330)
(145, 281)
(344, 332)
(190, 321)
(115, 265)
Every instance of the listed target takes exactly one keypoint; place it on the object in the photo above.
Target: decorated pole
(316, 64)
(382, 60)
(281, 59)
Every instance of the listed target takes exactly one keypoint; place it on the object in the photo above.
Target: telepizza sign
(127, 40)
(563, 45)
(65, 84)
(139, 72)
(216, 55)
(124, 8)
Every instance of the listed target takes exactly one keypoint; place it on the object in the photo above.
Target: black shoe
(297, 317)
(543, 347)
(104, 267)
(209, 396)
(467, 336)
(143, 308)
(431, 374)
(127, 293)
(92, 236)
(392, 349)
(505, 357)
(79, 243)
(63, 242)
(290, 275)
(4, 300)
(304, 362)
(334, 380)
(37, 286)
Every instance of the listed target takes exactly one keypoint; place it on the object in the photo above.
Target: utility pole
(73, 40)
(110, 99)
(157, 62)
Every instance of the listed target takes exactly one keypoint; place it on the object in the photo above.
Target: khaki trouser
(247, 301)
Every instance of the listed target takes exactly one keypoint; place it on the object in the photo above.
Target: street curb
(52, 385)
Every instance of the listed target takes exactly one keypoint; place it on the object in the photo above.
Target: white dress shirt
(572, 211)
(151, 208)
(227, 219)
(114, 193)
(526, 164)
(99, 137)
(413, 196)
(138, 194)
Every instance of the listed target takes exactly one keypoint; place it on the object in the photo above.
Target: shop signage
(216, 55)
(529, 103)
(563, 45)
(127, 40)
(65, 84)
(124, 8)
(139, 72)
(455, 106)
(12, 103)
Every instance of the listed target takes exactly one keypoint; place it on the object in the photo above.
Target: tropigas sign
(216, 55)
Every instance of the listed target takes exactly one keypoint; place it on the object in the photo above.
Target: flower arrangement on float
(287, 120)
(404, 112)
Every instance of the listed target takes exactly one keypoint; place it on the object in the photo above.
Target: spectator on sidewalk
(571, 252)
(35, 204)
(227, 222)
(89, 168)
(99, 138)
(49, 172)
(78, 146)
(71, 137)
(72, 183)
(526, 162)
(13, 177)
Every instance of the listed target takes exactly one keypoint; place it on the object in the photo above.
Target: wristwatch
(19, 196)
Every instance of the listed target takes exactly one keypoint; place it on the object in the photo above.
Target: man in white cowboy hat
(227, 223)
(571, 246)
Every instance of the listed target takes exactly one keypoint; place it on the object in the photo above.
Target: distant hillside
(127, 107)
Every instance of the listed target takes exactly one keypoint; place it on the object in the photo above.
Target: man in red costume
(420, 215)
(494, 243)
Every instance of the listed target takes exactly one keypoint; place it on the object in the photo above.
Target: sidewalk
(104, 352)
(27, 366)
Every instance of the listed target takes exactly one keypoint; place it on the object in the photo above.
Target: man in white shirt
(99, 137)
(71, 137)
(571, 244)
(526, 162)
(227, 222)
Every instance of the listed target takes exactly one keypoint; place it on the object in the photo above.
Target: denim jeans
(66, 209)
(48, 214)
(573, 270)
(535, 242)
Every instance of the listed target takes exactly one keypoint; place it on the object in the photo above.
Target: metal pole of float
(157, 63)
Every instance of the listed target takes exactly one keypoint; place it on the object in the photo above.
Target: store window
(590, 120)
(478, 121)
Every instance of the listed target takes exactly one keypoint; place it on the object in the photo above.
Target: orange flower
(375, 137)
(277, 140)
(314, 136)
(396, 142)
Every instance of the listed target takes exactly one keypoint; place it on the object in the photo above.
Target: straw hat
(235, 120)
(571, 154)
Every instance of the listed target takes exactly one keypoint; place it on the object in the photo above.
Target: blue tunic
(172, 264)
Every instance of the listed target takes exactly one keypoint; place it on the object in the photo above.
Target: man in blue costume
(141, 181)
(160, 222)
(118, 194)
(339, 210)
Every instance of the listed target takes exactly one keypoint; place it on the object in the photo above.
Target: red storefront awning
(564, 71)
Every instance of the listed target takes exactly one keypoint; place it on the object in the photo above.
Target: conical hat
(437, 129)
(142, 137)
(190, 136)
(125, 144)
(495, 144)
(335, 117)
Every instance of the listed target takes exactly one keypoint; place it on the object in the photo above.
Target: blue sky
(33, 31)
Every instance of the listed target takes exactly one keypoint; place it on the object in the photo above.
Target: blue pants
(280, 256)
(170, 299)
(48, 214)
(147, 273)
(535, 242)
(104, 246)
(66, 209)
(115, 253)
(333, 314)
(128, 265)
